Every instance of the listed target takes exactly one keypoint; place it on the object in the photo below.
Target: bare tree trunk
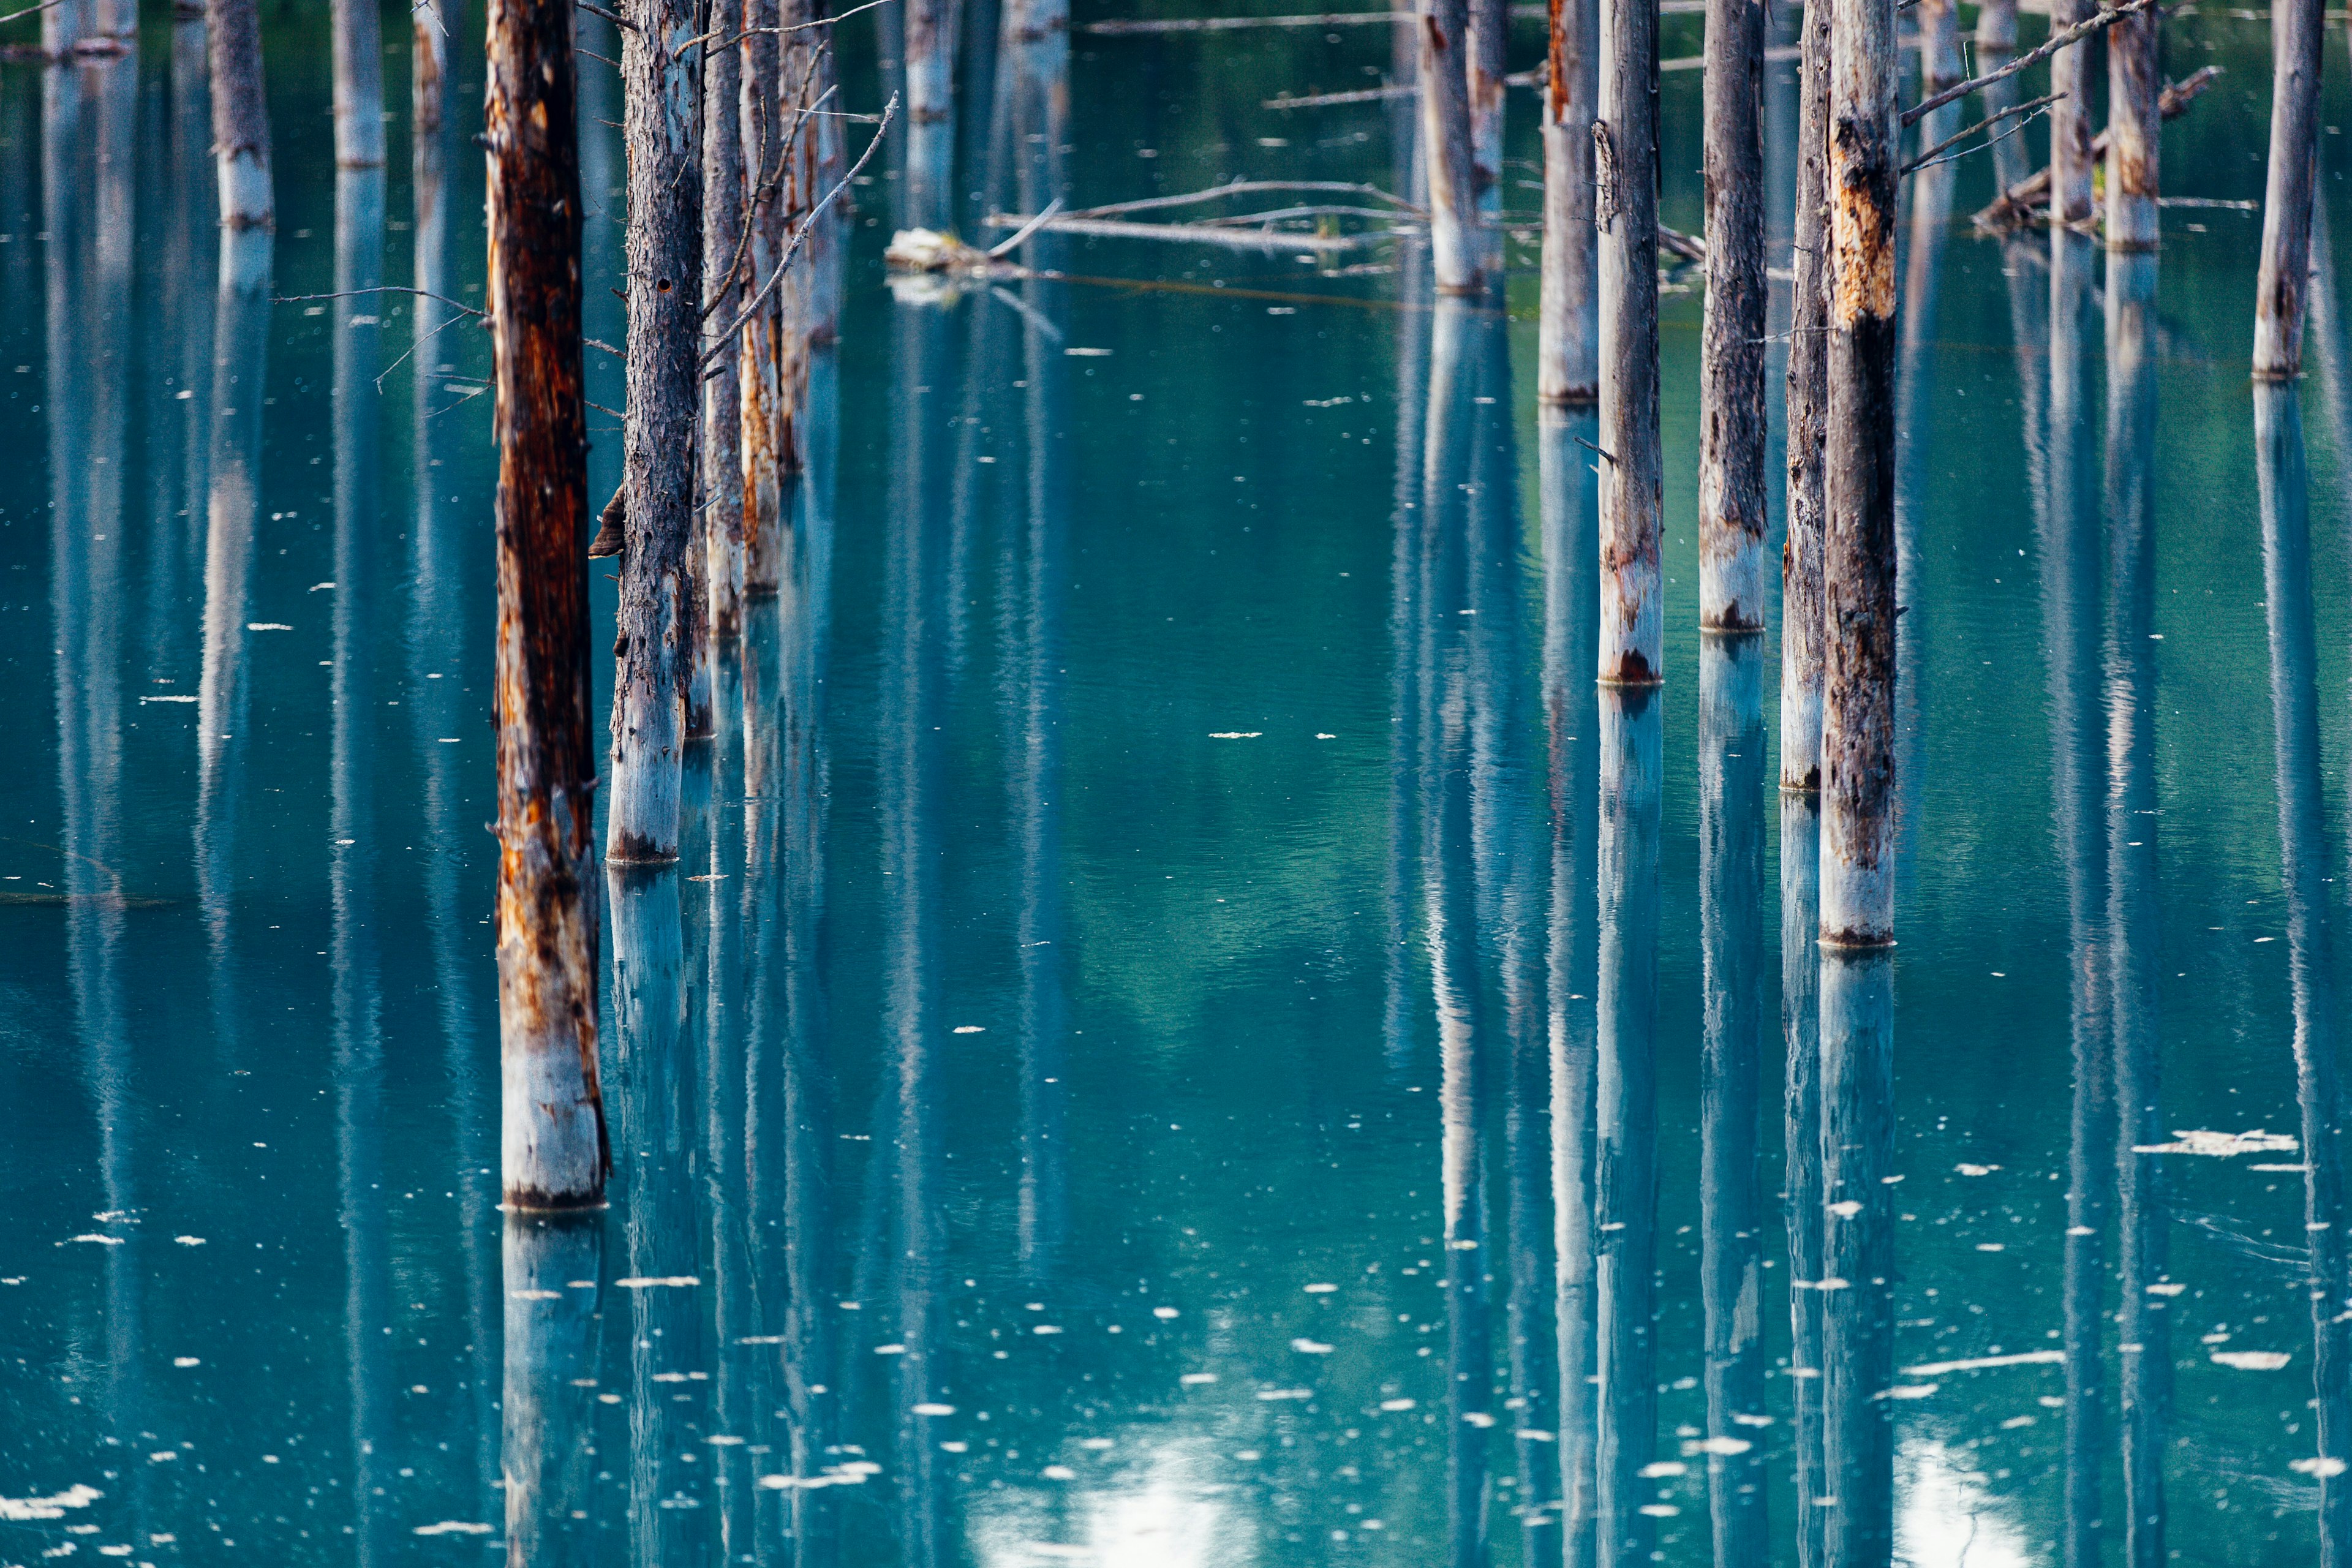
(1997, 29)
(726, 269)
(931, 30)
(1625, 211)
(1445, 144)
(240, 117)
(2279, 297)
(553, 1152)
(1732, 517)
(428, 71)
(359, 84)
(61, 29)
(1858, 531)
(2134, 123)
(1802, 628)
(762, 172)
(1488, 59)
(2070, 119)
(1567, 366)
(657, 630)
(797, 199)
(1940, 64)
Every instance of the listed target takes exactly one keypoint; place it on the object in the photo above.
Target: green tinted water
(1186, 1014)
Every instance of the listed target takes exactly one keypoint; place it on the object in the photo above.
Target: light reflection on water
(1187, 1030)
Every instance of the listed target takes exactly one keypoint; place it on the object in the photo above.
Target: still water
(1188, 1030)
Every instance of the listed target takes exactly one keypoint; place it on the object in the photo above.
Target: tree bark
(726, 290)
(1488, 61)
(553, 1151)
(240, 117)
(657, 631)
(2134, 121)
(1802, 628)
(1445, 145)
(1567, 363)
(758, 97)
(2285, 277)
(2070, 119)
(931, 52)
(797, 198)
(359, 84)
(1625, 212)
(1732, 518)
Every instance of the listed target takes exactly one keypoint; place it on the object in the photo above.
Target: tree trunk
(359, 84)
(428, 71)
(726, 269)
(1732, 519)
(1940, 64)
(2285, 279)
(1802, 628)
(763, 154)
(1445, 144)
(1625, 211)
(1858, 528)
(553, 1149)
(240, 117)
(2070, 119)
(1487, 60)
(657, 630)
(2134, 123)
(931, 52)
(797, 198)
(1567, 367)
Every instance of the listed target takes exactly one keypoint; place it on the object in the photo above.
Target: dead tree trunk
(657, 631)
(2070, 119)
(1445, 144)
(726, 267)
(1732, 519)
(1808, 406)
(930, 53)
(1567, 363)
(240, 117)
(554, 1146)
(358, 85)
(2279, 297)
(428, 73)
(1858, 531)
(2134, 123)
(1940, 64)
(758, 97)
(1490, 37)
(797, 199)
(1625, 212)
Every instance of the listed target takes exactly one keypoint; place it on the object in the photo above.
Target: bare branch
(387, 288)
(2030, 107)
(2056, 41)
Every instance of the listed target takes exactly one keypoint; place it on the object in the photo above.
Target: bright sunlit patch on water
(1945, 1516)
(1168, 1511)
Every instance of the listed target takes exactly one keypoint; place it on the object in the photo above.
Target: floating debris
(454, 1526)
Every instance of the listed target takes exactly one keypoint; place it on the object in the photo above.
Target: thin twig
(1995, 141)
(2056, 42)
(616, 18)
(1589, 447)
(1198, 234)
(387, 289)
(415, 343)
(801, 235)
(1354, 95)
(598, 343)
(1956, 137)
(30, 11)
(802, 26)
(601, 409)
(1026, 229)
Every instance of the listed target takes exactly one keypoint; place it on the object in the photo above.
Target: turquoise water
(1186, 1016)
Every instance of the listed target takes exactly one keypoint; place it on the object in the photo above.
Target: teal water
(1186, 1018)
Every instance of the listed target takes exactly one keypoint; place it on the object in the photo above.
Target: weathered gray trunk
(1801, 629)
(1732, 517)
(2070, 119)
(1997, 29)
(2285, 276)
(797, 198)
(1487, 60)
(1566, 348)
(553, 1150)
(726, 290)
(1858, 528)
(655, 644)
(932, 26)
(2134, 123)
(1625, 212)
(1940, 64)
(240, 117)
(428, 71)
(763, 154)
(359, 84)
(1445, 145)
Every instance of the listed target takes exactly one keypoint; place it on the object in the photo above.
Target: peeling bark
(1732, 517)
(1625, 212)
(2285, 285)
(1566, 350)
(553, 1147)
(1807, 408)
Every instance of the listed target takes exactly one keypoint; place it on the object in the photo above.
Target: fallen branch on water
(1253, 188)
(2015, 207)
(2032, 107)
(2056, 41)
(385, 288)
(1197, 233)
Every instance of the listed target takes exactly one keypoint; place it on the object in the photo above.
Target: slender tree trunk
(931, 51)
(1997, 29)
(726, 269)
(763, 154)
(1445, 144)
(1732, 518)
(1858, 528)
(428, 70)
(1801, 629)
(1488, 59)
(61, 29)
(2279, 297)
(1625, 211)
(553, 1142)
(1940, 64)
(359, 84)
(797, 199)
(240, 117)
(1567, 366)
(2070, 119)
(2134, 123)
(657, 631)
